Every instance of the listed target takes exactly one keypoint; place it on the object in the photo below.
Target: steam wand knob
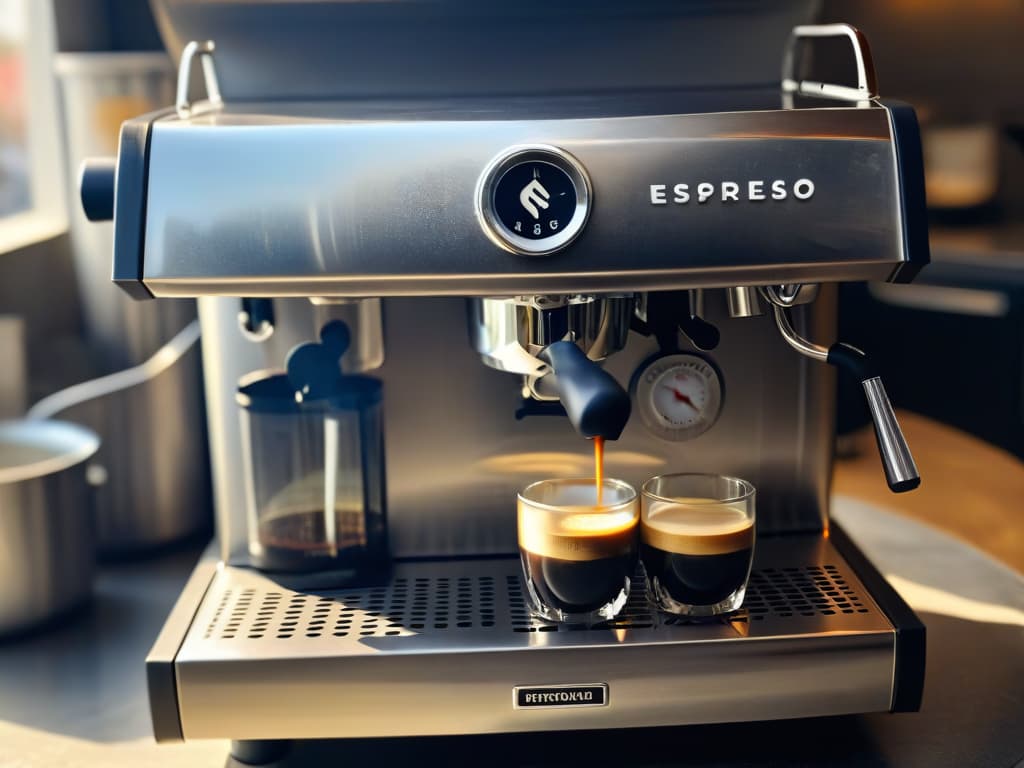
(900, 470)
(96, 180)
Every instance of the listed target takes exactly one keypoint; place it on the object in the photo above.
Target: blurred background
(70, 73)
(951, 344)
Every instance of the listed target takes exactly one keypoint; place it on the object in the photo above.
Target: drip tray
(443, 646)
(448, 600)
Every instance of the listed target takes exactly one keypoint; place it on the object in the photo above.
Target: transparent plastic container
(314, 476)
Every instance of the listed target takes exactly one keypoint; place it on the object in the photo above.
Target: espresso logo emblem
(589, 695)
(753, 191)
(533, 195)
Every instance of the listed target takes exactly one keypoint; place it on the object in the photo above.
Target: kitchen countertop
(76, 696)
(969, 488)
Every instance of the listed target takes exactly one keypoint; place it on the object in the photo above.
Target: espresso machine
(638, 181)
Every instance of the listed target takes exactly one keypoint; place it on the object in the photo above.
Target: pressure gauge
(679, 396)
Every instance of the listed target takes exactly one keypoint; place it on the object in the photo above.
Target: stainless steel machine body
(380, 200)
(377, 196)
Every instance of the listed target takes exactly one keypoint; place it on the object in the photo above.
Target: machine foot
(259, 751)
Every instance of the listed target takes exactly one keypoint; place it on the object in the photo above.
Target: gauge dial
(678, 396)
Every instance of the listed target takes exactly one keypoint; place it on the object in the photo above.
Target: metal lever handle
(900, 470)
(867, 85)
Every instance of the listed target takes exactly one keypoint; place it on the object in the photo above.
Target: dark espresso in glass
(581, 585)
(697, 557)
(578, 560)
(298, 540)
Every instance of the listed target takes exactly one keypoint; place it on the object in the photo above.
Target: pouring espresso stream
(595, 403)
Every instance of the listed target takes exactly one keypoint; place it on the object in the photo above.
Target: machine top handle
(204, 50)
(867, 84)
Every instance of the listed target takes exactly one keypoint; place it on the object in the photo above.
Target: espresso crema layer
(697, 527)
(577, 535)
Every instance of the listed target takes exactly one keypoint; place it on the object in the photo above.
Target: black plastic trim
(257, 752)
(130, 203)
(161, 677)
(911, 634)
(910, 162)
(852, 361)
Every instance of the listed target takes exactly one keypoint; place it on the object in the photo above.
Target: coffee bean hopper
(670, 189)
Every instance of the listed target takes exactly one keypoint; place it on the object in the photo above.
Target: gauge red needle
(680, 397)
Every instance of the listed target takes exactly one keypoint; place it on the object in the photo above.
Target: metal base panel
(444, 646)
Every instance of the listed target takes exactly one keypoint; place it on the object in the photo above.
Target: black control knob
(534, 200)
(96, 187)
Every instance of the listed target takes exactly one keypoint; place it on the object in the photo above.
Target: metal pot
(46, 521)
(151, 475)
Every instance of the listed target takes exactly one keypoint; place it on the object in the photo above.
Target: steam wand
(900, 470)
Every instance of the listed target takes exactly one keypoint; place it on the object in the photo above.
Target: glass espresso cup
(578, 550)
(697, 542)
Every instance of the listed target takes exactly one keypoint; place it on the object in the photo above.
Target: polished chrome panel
(743, 302)
(276, 204)
(510, 333)
(263, 661)
(455, 467)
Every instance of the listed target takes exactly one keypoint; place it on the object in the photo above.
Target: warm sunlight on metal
(932, 600)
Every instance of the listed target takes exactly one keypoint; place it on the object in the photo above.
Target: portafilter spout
(594, 401)
(900, 470)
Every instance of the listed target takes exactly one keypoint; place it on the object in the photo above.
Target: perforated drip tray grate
(814, 590)
(408, 605)
(482, 602)
(808, 591)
